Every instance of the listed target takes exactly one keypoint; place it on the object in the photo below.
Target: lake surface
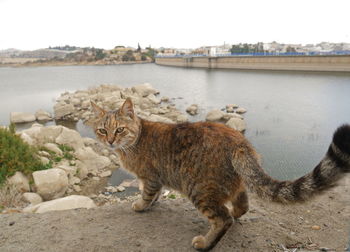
(290, 120)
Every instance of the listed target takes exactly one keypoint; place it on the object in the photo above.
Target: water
(291, 115)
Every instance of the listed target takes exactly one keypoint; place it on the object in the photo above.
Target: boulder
(157, 118)
(182, 118)
(91, 160)
(44, 160)
(27, 138)
(237, 124)
(62, 110)
(105, 174)
(193, 109)
(228, 116)
(153, 99)
(32, 198)
(144, 90)
(66, 203)
(49, 133)
(241, 110)
(215, 115)
(42, 115)
(71, 138)
(21, 117)
(20, 181)
(82, 171)
(50, 184)
(53, 147)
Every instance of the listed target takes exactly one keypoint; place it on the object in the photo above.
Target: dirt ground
(170, 225)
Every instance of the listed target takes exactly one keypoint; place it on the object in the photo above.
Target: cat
(211, 164)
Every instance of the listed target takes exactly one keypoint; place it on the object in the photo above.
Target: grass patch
(172, 196)
(17, 155)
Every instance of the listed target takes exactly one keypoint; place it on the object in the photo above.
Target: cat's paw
(139, 205)
(199, 242)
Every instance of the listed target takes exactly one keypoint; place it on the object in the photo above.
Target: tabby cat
(211, 164)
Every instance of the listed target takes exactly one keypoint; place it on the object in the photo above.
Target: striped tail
(334, 166)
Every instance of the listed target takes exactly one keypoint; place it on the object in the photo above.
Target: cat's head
(118, 129)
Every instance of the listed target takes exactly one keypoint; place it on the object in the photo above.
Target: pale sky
(33, 24)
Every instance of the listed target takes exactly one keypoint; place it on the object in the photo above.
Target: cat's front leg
(150, 193)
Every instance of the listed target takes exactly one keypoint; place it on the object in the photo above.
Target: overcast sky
(33, 24)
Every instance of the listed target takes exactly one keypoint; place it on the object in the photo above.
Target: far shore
(58, 63)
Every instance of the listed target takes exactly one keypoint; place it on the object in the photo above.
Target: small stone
(76, 188)
(11, 223)
(105, 174)
(241, 110)
(120, 188)
(32, 198)
(96, 178)
(316, 227)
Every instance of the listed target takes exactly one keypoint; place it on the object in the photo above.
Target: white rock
(21, 117)
(91, 159)
(44, 160)
(82, 171)
(74, 181)
(157, 118)
(228, 116)
(120, 188)
(144, 90)
(230, 110)
(49, 133)
(105, 174)
(89, 141)
(77, 188)
(32, 198)
(237, 124)
(215, 115)
(241, 110)
(193, 109)
(71, 138)
(182, 118)
(66, 203)
(231, 106)
(27, 138)
(165, 99)
(50, 184)
(53, 147)
(153, 99)
(75, 101)
(71, 171)
(20, 181)
(42, 115)
(86, 104)
(63, 110)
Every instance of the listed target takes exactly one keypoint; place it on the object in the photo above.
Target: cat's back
(199, 134)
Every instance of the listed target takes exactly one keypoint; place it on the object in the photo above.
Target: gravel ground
(172, 223)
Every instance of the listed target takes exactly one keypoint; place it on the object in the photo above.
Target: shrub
(16, 155)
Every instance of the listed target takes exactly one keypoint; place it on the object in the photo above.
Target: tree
(138, 48)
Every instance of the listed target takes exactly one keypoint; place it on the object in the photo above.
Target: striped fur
(211, 164)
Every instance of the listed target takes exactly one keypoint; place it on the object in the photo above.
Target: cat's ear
(97, 110)
(127, 108)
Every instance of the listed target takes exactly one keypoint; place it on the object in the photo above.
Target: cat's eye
(120, 130)
(103, 131)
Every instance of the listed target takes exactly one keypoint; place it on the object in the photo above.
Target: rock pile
(22, 117)
(148, 105)
(85, 161)
(232, 117)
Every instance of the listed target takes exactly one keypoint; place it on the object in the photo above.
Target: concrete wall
(335, 63)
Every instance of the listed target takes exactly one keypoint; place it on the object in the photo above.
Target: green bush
(16, 155)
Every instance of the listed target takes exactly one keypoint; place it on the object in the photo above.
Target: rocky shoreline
(85, 169)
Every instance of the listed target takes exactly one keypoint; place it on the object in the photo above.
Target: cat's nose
(110, 142)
